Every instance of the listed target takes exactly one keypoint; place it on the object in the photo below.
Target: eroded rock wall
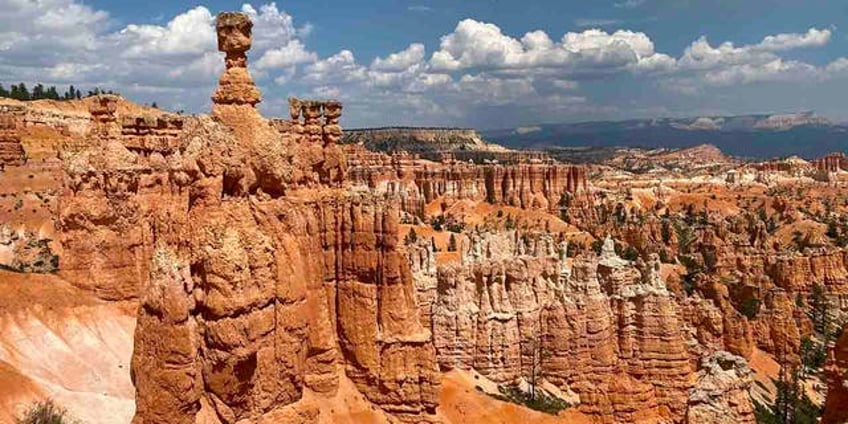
(275, 280)
(836, 372)
(606, 328)
(419, 182)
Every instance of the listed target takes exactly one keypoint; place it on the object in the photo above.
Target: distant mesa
(751, 136)
(527, 130)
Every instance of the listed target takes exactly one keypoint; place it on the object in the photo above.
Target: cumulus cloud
(728, 64)
(396, 62)
(479, 45)
(293, 53)
(188, 34)
(812, 38)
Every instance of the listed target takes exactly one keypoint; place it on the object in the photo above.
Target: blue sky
(483, 63)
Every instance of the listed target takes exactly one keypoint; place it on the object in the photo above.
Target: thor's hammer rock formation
(279, 282)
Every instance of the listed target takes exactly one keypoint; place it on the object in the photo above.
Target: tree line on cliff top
(41, 92)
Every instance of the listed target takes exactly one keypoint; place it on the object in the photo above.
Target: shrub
(541, 402)
(750, 308)
(45, 412)
(411, 237)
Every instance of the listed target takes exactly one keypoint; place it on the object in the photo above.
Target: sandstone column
(236, 87)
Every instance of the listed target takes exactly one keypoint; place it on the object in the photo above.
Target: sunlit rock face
(837, 383)
(606, 328)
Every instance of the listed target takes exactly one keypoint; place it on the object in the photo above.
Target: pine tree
(3, 91)
(452, 244)
(411, 238)
(38, 92)
(818, 309)
(51, 93)
(23, 91)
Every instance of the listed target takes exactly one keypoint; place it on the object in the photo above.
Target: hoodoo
(279, 284)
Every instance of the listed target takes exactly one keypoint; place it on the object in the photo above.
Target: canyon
(231, 268)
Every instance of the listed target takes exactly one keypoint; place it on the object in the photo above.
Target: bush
(750, 308)
(46, 412)
(411, 237)
(542, 402)
(630, 253)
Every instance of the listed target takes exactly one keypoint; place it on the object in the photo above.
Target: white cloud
(595, 39)
(775, 70)
(838, 66)
(701, 55)
(478, 45)
(396, 62)
(293, 53)
(812, 38)
(188, 34)
(629, 4)
(341, 67)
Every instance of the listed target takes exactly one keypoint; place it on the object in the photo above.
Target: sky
(487, 64)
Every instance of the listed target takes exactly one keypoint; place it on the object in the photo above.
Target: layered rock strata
(721, 395)
(605, 328)
(272, 289)
(11, 151)
(836, 372)
(420, 182)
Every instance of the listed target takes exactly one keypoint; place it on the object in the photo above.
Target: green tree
(750, 308)
(819, 308)
(411, 237)
(685, 237)
(38, 92)
(832, 230)
(452, 244)
(52, 93)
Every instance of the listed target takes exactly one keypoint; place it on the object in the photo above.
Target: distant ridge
(762, 136)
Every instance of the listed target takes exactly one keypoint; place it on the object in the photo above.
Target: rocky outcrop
(721, 395)
(833, 162)
(590, 319)
(26, 252)
(272, 282)
(11, 151)
(836, 372)
(110, 200)
(420, 140)
(236, 86)
(418, 182)
(147, 134)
